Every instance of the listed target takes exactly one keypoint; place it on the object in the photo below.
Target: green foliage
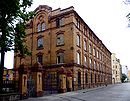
(12, 38)
(12, 12)
(123, 77)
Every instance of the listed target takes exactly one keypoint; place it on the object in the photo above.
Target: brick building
(60, 39)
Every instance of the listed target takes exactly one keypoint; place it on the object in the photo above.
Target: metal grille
(30, 87)
(50, 84)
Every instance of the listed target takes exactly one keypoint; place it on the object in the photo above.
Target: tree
(12, 38)
(123, 78)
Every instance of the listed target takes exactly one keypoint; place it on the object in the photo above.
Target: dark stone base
(62, 90)
(69, 89)
(23, 96)
(39, 94)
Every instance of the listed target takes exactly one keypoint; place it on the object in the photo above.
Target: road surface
(116, 92)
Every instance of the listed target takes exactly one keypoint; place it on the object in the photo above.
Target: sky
(107, 19)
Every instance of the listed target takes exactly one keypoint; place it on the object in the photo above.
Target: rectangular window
(97, 54)
(85, 60)
(61, 22)
(90, 48)
(85, 45)
(60, 39)
(97, 66)
(40, 42)
(60, 58)
(78, 40)
(78, 58)
(78, 23)
(94, 51)
(84, 30)
(57, 22)
(90, 63)
(100, 56)
(39, 59)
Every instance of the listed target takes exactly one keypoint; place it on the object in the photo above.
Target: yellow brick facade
(71, 26)
(116, 69)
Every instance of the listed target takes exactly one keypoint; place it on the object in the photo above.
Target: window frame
(43, 28)
(60, 37)
(85, 45)
(78, 58)
(38, 27)
(78, 40)
(90, 63)
(61, 56)
(41, 44)
(41, 57)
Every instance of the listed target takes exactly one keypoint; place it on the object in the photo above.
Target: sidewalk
(55, 96)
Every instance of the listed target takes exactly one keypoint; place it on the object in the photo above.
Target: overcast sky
(107, 18)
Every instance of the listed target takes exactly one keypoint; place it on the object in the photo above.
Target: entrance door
(30, 87)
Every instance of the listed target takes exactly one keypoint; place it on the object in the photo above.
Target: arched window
(60, 39)
(60, 58)
(39, 27)
(43, 26)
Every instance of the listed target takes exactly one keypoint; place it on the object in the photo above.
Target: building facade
(116, 67)
(60, 39)
(129, 75)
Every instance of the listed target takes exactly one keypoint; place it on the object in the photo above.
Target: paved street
(117, 92)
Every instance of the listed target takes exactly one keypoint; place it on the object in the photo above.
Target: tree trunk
(3, 38)
(1, 69)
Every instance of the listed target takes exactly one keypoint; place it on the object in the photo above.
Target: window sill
(40, 48)
(60, 45)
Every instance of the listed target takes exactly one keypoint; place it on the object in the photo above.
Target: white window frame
(78, 58)
(78, 40)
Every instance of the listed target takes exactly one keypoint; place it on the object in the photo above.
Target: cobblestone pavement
(116, 92)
